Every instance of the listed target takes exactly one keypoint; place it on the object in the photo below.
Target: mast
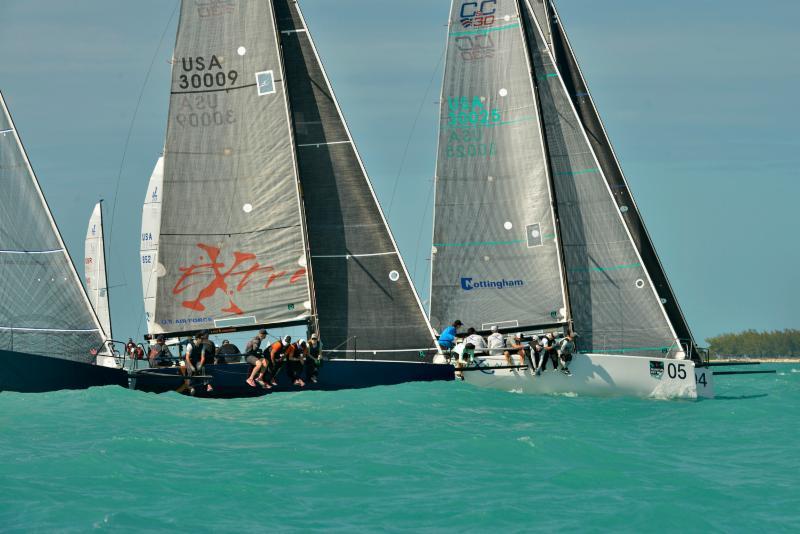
(105, 269)
(314, 318)
(548, 167)
(495, 254)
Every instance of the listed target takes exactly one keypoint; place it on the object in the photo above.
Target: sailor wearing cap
(565, 349)
(495, 341)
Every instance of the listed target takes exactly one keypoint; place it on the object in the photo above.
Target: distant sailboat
(94, 267)
(535, 227)
(265, 217)
(49, 333)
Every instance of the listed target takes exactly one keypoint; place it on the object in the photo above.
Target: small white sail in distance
(94, 267)
(148, 247)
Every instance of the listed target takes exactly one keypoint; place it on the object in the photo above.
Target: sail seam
(226, 89)
(484, 32)
(240, 233)
(328, 143)
(60, 330)
(355, 255)
(31, 251)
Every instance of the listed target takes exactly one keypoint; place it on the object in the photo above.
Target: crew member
(295, 356)
(314, 359)
(447, 339)
(565, 350)
(159, 355)
(227, 352)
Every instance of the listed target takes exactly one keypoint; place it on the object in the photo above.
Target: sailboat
(50, 335)
(260, 213)
(536, 229)
(94, 269)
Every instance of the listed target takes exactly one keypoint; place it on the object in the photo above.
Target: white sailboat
(94, 268)
(535, 227)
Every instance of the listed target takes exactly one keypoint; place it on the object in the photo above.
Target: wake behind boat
(535, 227)
(261, 215)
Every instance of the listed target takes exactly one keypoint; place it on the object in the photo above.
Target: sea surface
(421, 457)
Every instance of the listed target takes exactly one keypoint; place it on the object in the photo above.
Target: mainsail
(267, 216)
(94, 269)
(495, 257)
(148, 246)
(365, 304)
(617, 295)
(231, 244)
(43, 306)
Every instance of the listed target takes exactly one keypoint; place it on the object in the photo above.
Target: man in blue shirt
(447, 339)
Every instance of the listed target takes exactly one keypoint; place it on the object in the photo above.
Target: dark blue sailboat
(266, 216)
(49, 334)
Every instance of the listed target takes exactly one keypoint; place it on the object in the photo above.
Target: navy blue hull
(32, 373)
(230, 380)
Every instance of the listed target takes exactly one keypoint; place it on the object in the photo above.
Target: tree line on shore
(780, 343)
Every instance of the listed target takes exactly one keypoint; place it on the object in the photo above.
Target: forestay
(612, 298)
(43, 306)
(495, 254)
(365, 303)
(94, 269)
(231, 245)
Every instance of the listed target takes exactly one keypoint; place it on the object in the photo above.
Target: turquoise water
(437, 456)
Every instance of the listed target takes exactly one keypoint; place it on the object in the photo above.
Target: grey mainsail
(495, 259)
(590, 118)
(613, 301)
(43, 307)
(231, 245)
(365, 304)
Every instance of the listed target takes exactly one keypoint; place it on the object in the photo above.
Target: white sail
(148, 250)
(94, 268)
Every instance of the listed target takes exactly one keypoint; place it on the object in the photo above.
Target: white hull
(600, 375)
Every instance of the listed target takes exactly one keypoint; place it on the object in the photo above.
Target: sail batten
(44, 308)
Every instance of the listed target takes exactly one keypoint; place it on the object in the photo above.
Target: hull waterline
(600, 375)
(33, 373)
(229, 381)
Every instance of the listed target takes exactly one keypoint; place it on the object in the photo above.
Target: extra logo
(656, 369)
(200, 281)
(94, 229)
(154, 196)
(478, 14)
(469, 284)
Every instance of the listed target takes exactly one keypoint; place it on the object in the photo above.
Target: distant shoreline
(756, 360)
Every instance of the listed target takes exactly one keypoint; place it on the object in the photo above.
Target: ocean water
(422, 457)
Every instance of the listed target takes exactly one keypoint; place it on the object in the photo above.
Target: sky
(698, 97)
